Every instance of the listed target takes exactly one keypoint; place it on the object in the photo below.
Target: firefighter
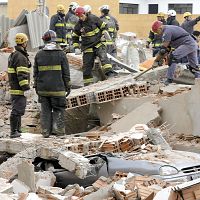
(183, 43)
(52, 84)
(57, 24)
(71, 20)
(112, 26)
(88, 9)
(189, 23)
(91, 29)
(19, 78)
(171, 20)
(155, 39)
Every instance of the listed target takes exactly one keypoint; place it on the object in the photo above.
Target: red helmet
(79, 11)
(49, 36)
(156, 25)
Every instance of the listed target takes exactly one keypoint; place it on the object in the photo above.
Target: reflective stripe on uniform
(11, 70)
(108, 42)
(111, 30)
(23, 69)
(70, 25)
(69, 35)
(60, 40)
(46, 93)
(16, 92)
(149, 40)
(157, 45)
(103, 25)
(98, 45)
(59, 24)
(107, 66)
(75, 44)
(88, 80)
(49, 68)
(75, 35)
(90, 50)
(24, 82)
(91, 33)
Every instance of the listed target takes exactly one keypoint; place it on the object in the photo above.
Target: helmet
(87, 8)
(61, 8)
(79, 11)
(73, 5)
(187, 14)
(104, 7)
(21, 38)
(161, 14)
(156, 25)
(171, 13)
(49, 36)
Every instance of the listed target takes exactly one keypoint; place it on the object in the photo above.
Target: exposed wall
(3, 9)
(140, 24)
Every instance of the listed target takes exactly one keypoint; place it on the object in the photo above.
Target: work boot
(110, 74)
(19, 124)
(168, 81)
(13, 126)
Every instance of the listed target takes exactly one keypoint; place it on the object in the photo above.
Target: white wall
(163, 4)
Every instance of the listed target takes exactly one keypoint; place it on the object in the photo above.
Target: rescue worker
(189, 23)
(57, 24)
(71, 20)
(19, 78)
(52, 84)
(155, 39)
(184, 45)
(88, 9)
(113, 27)
(196, 36)
(171, 20)
(91, 29)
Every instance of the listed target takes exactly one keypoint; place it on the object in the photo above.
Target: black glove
(68, 90)
(198, 19)
(147, 45)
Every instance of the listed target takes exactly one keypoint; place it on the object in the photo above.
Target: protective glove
(77, 51)
(68, 90)
(147, 45)
(198, 19)
(103, 39)
(27, 93)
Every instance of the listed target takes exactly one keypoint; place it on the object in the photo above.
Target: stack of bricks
(132, 195)
(118, 175)
(75, 60)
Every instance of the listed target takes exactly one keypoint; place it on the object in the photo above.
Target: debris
(20, 187)
(46, 178)
(5, 187)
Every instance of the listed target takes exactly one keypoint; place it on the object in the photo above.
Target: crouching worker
(51, 82)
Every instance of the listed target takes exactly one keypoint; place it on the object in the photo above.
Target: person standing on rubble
(184, 45)
(113, 27)
(171, 19)
(57, 24)
(155, 39)
(52, 84)
(91, 29)
(189, 23)
(71, 20)
(19, 80)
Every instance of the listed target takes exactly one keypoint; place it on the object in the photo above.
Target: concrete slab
(144, 114)
(45, 178)
(20, 187)
(5, 187)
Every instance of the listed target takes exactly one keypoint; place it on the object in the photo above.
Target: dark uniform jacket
(188, 25)
(172, 21)
(90, 31)
(51, 72)
(19, 71)
(71, 20)
(58, 25)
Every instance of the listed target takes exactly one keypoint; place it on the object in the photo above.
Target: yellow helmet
(187, 14)
(21, 38)
(161, 14)
(61, 8)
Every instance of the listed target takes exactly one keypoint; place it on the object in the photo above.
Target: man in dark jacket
(71, 20)
(113, 27)
(19, 76)
(91, 29)
(171, 20)
(57, 24)
(51, 78)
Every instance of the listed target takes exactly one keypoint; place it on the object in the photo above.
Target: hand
(68, 90)
(198, 18)
(77, 51)
(147, 45)
(27, 93)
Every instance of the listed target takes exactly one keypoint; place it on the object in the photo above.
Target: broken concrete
(5, 187)
(147, 113)
(45, 178)
(20, 187)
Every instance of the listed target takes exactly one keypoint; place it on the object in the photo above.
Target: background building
(133, 15)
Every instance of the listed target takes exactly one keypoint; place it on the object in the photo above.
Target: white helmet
(87, 8)
(73, 5)
(171, 13)
(104, 7)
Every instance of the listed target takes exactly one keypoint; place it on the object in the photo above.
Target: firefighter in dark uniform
(113, 27)
(91, 30)
(57, 24)
(19, 78)
(71, 20)
(51, 81)
(154, 38)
